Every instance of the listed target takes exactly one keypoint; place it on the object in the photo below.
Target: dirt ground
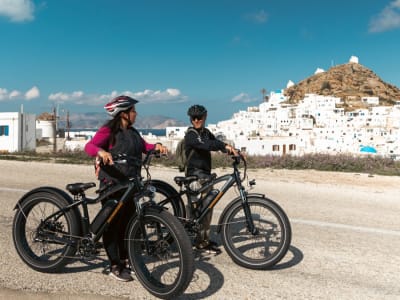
(345, 240)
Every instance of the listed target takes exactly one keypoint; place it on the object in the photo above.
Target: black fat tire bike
(51, 229)
(255, 230)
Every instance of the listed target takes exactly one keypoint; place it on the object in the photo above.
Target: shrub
(372, 164)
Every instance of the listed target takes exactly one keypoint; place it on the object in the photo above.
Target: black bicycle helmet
(118, 104)
(197, 111)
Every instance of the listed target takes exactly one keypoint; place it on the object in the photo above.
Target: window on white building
(4, 130)
(275, 147)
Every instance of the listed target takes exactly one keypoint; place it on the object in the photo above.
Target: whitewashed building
(315, 125)
(17, 132)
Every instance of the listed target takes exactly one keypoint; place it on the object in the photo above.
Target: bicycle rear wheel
(43, 243)
(160, 253)
(263, 249)
(167, 197)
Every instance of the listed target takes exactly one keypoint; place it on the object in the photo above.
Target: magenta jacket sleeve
(148, 146)
(99, 141)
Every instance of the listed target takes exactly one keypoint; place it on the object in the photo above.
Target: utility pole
(68, 125)
(54, 130)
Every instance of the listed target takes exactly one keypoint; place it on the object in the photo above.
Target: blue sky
(77, 54)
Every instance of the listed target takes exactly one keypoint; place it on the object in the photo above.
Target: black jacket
(202, 143)
(128, 142)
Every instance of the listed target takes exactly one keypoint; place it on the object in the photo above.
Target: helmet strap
(125, 120)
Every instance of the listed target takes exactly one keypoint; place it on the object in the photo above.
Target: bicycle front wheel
(160, 253)
(264, 248)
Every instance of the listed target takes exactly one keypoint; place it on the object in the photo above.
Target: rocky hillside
(157, 122)
(350, 82)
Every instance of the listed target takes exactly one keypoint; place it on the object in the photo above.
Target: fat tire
(23, 236)
(175, 237)
(277, 223)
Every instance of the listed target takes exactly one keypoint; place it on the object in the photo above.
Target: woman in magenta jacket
(118, 136)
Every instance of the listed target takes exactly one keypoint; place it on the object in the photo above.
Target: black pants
(114, 239)
(204, 233)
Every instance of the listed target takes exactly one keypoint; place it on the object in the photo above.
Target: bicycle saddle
(79, 187)
(184, 180)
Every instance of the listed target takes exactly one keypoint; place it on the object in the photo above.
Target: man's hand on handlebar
(162, 149)
(231, 150)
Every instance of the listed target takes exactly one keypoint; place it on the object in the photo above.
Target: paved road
(346, 241)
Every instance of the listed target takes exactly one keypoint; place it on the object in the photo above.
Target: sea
(156, 132)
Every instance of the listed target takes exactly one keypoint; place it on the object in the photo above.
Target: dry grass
(371, 164)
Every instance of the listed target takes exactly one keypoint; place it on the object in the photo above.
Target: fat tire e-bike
(51, 229)
(254, 229)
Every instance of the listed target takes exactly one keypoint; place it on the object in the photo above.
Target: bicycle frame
(230, 180)
(130, 186)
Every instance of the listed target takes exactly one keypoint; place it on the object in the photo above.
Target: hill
(350, 82)
(95, 120)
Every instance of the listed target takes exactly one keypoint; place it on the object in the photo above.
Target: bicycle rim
(261, 250)
(166, 269)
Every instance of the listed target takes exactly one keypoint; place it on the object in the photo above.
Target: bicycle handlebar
(149, 154)
(236, 161)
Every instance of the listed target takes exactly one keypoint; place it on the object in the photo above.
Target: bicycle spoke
(268, 245)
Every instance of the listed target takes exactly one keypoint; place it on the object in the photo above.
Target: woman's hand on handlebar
(105, 157)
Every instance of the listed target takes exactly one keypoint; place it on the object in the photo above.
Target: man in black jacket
(198, 147)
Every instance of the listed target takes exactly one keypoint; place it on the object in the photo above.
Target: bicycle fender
(164, 185)
(51, 190)
(172, 192)
(233, 202)
(47, 189)
(155, 207)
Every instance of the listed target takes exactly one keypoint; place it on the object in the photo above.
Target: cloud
(257, 17)
(3, 94)
(387, 19)
(243, 98)
(32, 93)
(79, 97)
(147, 96)
(17, 10)
(17, 95)
(167, 96)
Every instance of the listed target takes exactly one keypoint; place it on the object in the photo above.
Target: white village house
(314, 125)
(17, 132)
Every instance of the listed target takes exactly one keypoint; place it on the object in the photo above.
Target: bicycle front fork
(249, 218)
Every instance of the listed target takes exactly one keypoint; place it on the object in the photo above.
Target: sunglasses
(194, 118)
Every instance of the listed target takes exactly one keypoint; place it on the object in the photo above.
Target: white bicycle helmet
(118, 104)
